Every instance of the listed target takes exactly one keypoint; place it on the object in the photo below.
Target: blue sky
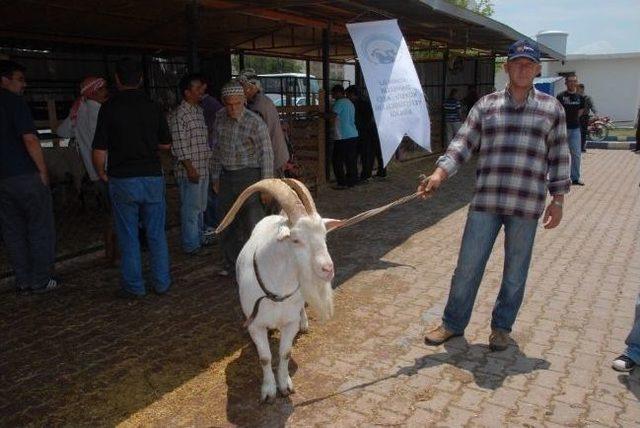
(594, 26)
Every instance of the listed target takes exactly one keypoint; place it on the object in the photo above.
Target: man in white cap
(261, 104)
(242, 157)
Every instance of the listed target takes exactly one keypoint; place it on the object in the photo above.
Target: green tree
(483, 7)
(267, 64)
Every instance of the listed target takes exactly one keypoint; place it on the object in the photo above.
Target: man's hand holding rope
(429, 185)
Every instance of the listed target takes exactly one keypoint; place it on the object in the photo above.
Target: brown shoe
(439, 335)
(499, 340)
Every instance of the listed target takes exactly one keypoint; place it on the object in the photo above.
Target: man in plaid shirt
(242, 157)
(520, 136)
(192, 156)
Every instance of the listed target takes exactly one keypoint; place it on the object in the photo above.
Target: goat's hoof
(269, 399)
(304, 329)
(268, 394)
(287, 389)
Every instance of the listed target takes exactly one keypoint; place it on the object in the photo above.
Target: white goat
(284, 264)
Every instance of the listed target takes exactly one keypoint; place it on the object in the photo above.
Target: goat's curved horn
(303, 194)
(285, 195)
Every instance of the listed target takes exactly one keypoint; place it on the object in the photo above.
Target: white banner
(394, 89)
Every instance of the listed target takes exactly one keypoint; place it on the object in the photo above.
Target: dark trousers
(345, 156)
(233, 238)
(28, 231)
(584, 132)
(377, 155)
(366, 149)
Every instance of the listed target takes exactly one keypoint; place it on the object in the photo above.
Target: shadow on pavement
(632, 382)
(489, 369)
(244, 379)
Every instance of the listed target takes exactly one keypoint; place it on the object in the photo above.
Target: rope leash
(375, 211)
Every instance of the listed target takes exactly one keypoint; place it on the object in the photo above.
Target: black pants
(345, 155)
(28, 231)
(233, 238)
(365, 154)
(584, 131)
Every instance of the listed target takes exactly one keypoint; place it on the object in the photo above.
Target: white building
(612, 81)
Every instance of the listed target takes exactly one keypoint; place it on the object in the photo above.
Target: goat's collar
(267, 294)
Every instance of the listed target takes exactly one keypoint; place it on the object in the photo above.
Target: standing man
(365, 124)
(26, 210)
(452, 114)
(520, 136)
(261, 104)
(584, 118)
(345, 146)
(573, 104)
(242, 157)
(131, 129)
(192, 156)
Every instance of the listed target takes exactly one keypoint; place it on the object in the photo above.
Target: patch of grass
(622, 132)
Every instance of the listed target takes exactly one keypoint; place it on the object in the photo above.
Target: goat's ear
(283, 233)
(331, 223)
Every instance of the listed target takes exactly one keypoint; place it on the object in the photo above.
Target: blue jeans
(575, 148)
(479, 236)
(141, 200)
(633, 340)
(193, 203)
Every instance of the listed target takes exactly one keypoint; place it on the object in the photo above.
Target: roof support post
(326, 46)
(443, 126)
(308, 81)
(193, 30)
(240, 60)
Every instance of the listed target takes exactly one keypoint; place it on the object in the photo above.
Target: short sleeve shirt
(130, 127)
(346, 118)
(572, 103)
(15, 121)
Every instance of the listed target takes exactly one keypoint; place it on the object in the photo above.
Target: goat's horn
(303, 194)
(286, 197)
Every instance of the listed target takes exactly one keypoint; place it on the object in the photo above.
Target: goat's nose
(327, 268)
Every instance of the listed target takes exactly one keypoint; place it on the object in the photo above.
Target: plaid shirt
(190, 140)
(242, 143)
(523, 152)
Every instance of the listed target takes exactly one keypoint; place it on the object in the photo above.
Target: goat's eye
(295, 241)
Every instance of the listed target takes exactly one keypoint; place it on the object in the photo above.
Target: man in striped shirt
(242, 157)
(520, 136)
(192, 156)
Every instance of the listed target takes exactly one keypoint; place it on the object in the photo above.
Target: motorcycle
(599, 127)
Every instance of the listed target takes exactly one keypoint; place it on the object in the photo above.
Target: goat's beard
(319, 295)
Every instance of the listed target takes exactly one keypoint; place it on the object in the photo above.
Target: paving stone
(82, 358)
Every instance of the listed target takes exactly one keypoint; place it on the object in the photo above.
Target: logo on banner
(381, 49)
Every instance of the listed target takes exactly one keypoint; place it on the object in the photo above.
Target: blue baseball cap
(524, 49)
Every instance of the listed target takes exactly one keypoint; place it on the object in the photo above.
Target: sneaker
(51, 285)
(208, 240)
(498, 340)
(124, 294)
(623, 364)
(439, 335)
(210, 231)
(577, 183)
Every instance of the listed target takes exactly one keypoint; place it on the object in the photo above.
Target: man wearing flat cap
(520, 136)
(242, 157)
(261, 104)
